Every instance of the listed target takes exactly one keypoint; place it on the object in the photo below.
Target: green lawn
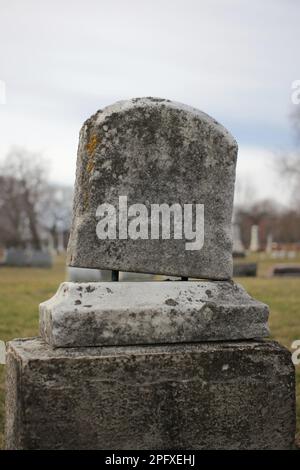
(22, 289)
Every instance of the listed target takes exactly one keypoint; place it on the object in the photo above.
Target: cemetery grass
(22, 289)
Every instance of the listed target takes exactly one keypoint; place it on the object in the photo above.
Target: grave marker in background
(254, 239)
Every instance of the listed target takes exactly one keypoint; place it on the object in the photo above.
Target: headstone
(20, 257)
(254, 239)
(289, 270)
(269, 245)
(238, 250)
(244, 270)
(2, 256)
(278, 254)
(154, 152)
(17, 257)
(40, 259)
(60, 242)
(152, 365)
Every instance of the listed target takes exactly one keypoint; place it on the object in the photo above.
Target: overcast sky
(234, 59)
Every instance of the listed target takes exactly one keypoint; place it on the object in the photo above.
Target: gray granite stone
(237, 395)
(154, 151)
(120, 313)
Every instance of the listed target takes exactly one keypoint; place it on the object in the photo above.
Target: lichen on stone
(92, 144)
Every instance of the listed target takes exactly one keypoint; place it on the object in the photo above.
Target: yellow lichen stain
(90, 166)
(91, 145)
(85, 200)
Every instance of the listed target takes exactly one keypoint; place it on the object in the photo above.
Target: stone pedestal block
(127, 313)
(237, 395)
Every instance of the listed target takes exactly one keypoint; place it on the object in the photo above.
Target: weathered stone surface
(120, 313)
(154, 151)
(199, 396)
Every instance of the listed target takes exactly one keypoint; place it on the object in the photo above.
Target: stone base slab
(129, 313)
(238, 395)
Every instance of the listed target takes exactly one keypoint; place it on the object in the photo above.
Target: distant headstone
(40, 259)
(2, 255)
(244, 269)
(17, 257)
(254, 239)
(137, 155)
(289, 270)
(269, 244)
(238, 250)
(28, 258)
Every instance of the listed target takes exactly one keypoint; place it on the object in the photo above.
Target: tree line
(31, 208)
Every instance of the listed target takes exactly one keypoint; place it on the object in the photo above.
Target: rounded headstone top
(160, 155)
(123, 106)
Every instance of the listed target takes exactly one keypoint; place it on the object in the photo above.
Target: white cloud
(257, 177)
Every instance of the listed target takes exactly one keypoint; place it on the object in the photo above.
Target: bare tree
(263, 213)
(11, 212)
(289, 164)
(56, 212)
(245, 193)
(295, 117)
(283, 223)
(23, 186)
